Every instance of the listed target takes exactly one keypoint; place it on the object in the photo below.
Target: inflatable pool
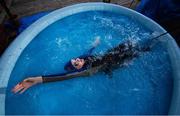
(147, 85)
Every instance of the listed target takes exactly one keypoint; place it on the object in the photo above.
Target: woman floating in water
(88, 64)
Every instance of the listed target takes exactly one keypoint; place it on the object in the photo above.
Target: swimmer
(88, 64)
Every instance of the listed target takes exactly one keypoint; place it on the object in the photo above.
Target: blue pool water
(142, 86)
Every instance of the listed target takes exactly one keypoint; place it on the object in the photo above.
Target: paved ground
(29, 7)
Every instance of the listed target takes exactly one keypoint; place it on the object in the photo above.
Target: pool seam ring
(12, 53)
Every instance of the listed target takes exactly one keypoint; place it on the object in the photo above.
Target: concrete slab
(29, 7)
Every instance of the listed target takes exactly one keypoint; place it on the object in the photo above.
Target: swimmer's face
(77, 63)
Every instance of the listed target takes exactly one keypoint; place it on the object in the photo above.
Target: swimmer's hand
(26, 83)
(96, 42)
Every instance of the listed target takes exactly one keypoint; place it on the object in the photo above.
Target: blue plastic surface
(9, 58)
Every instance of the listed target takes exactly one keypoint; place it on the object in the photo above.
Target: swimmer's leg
(150, 43)
(147, 45)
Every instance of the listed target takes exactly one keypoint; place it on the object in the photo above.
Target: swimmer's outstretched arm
(27, 83)
(47, 79)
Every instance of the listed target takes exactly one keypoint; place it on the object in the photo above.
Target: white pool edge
(12, 53)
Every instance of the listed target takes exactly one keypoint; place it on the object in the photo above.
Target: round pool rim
(12, 53)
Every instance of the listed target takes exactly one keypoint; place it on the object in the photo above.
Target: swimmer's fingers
(23, 90)
(18, 88)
